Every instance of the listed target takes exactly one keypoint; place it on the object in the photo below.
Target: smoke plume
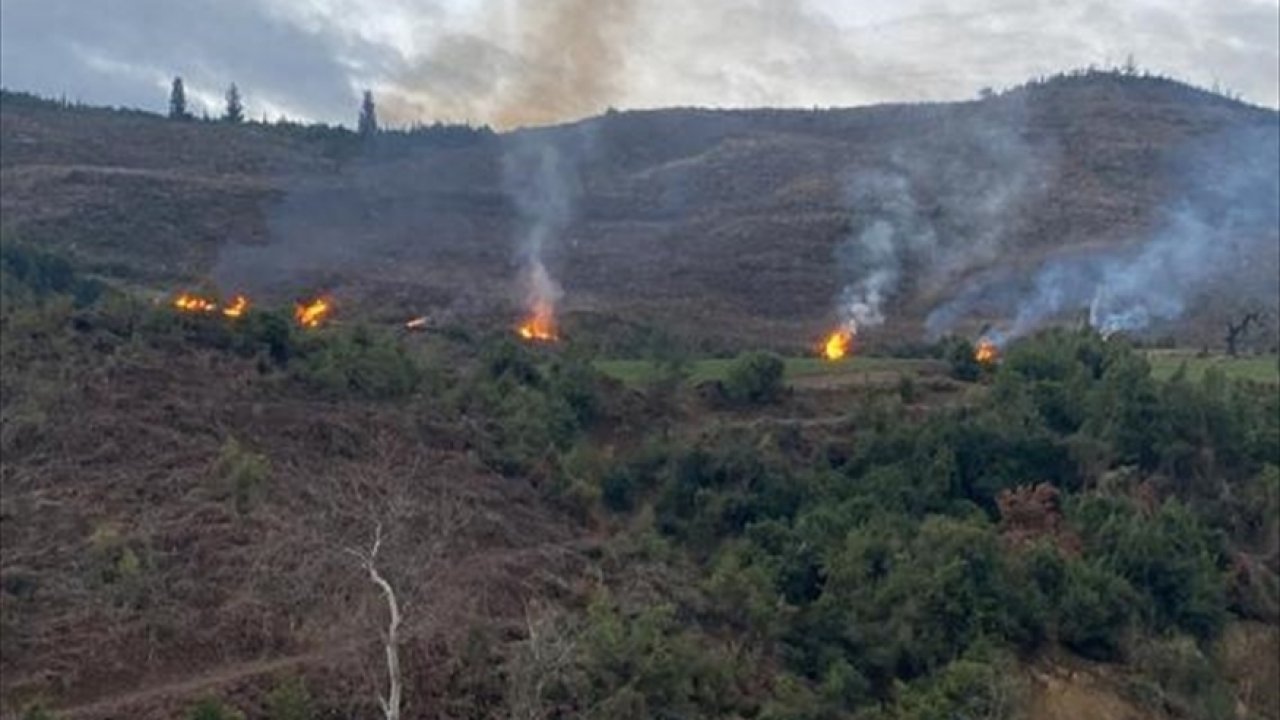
(1219, 234)
(937, 210)
(528, 64)
(542, 177)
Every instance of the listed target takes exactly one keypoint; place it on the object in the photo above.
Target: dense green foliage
(754, 378)
(894, 566)
(31, 273)
(883, 580)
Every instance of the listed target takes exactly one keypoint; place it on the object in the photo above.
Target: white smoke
(876, 254)
(541, 174)
(936, 210)
(1221, 234)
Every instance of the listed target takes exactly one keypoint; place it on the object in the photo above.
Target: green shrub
(967, 688)
(642, 665)
(959, 354)
(358, 362)
(507, 358)
(1175, 673)
(755, 378)
(1169, 557)
(618, 489)
(212, 708)
(38, 711)
(1095, 612)
(40, 274)
(289, 700)
(242, 473)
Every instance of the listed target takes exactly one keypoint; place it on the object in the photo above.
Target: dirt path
(126, 704)
(118, 706)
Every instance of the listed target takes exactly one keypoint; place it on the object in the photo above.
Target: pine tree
(178, 101)
(235, 110)
(368, 116)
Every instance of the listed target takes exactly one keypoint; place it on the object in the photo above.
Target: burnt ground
(136, 579)
(724, 227)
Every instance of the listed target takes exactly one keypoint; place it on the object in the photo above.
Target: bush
(964, 366)
(212, 708)
(618, 489)
(360, 362)
(241, 472)
(967, 688)
(37, 711)
(755, 378)
(41, 274)
(290, 700)
(1095, 612)
(642, 665)
(1169, 557)
(1177, 674)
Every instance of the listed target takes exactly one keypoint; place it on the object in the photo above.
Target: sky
(511, 62)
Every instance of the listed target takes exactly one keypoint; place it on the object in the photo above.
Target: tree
(1236, 330)
(235, 109)
(178, 101)
(368, 115)
(755, 378)
(391, 703)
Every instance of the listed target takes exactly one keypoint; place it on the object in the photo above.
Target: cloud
(508, 62)
(127, 51)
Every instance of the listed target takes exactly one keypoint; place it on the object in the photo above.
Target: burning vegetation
(188, 302)
(837, 345)
(540, 326)
(308, 314)
(192, 303)
(239, 304)
(986, 353)
(314, 313)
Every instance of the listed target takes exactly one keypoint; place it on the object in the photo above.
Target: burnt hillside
(724, 223)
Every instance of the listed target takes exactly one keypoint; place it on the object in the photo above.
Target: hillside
(722, 226)
(198, 508)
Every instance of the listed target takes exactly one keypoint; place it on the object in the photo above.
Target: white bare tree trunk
(391, 703)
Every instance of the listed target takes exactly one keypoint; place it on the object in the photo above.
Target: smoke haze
(937, 210)
(1217, 231)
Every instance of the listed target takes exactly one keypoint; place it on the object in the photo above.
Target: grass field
(636, 372)
(1264, 368)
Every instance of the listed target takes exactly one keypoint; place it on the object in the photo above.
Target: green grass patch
(1263, 368)
(638, 372)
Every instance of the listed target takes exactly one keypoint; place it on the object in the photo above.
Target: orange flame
(986, 353)
(540, 326)
(239, 304)
(312, 314)
(837, 345)
(418, 323)
(186, 302)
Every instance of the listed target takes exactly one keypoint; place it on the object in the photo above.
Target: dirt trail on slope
(130, 703)
(120, 706)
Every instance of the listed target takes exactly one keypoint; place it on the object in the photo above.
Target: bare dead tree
(391, 703)
(1236, 330)
(545, 657)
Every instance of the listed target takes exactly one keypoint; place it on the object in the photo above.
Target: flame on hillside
(188, 302)
(239, 304)
(837, 345)
(314, 313)
(987, 353)
(418, 323)
(540, 325)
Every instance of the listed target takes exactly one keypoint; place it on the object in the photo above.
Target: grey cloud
(52, 45)
(511, 63)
